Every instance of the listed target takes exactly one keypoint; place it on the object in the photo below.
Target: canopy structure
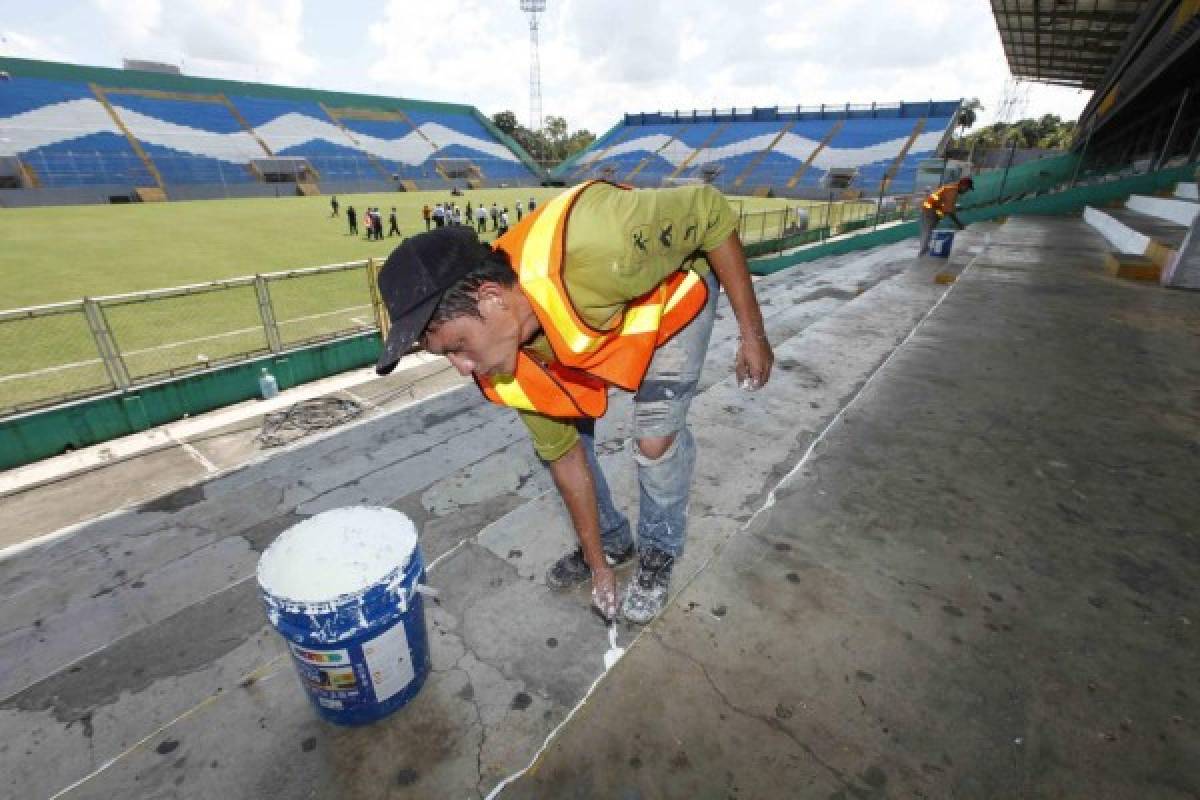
(1065, 42)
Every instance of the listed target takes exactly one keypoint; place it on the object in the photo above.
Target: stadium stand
(89, 134)
(771, 150)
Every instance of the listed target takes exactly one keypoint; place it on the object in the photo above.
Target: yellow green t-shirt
(622, 243)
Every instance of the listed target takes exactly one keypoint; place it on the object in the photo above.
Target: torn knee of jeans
(663, 451)
(657, 390)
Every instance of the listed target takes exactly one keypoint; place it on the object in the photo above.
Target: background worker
(940, 203)
(544, 329)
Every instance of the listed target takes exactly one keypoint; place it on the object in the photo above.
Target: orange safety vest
(589, 360)
(934, 201)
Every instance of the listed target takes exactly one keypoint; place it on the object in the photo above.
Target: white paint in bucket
(336, 553)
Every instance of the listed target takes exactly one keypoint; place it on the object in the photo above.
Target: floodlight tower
(533, 8)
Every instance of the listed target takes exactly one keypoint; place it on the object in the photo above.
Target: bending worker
(941, 203)
(601, 287)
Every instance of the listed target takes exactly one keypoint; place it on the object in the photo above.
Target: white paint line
(209, 466)
(362, 401)
(770, 501)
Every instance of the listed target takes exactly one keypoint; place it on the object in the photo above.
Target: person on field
(518, 210)
(941, 203)
(495, 212)
(503, 221)
(481, 216)
(541, 321)
(352, 220)
(427, 215)
(532, 205)
(393, 224)
(333, 203)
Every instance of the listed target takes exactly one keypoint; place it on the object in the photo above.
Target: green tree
(551, 145)
(506, 121)
(1048, 131)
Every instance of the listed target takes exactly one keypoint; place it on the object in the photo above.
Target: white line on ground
(209, 467)
(770, 501)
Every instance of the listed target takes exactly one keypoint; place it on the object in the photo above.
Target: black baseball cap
(414, 278)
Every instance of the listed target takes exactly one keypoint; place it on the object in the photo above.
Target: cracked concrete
(964, 591)
(878, 625)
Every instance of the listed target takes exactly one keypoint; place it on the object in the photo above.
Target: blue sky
(598, 59)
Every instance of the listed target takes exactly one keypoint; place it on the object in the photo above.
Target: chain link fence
(69, 350)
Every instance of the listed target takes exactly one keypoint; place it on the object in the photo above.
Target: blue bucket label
(339, 681)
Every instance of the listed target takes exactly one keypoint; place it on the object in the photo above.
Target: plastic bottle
(268, 387)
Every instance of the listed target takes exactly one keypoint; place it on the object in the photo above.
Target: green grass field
(61, 254)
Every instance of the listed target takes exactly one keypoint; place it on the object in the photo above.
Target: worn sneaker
(647, 593)
(572, 570)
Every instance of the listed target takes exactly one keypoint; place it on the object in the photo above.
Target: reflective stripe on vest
(550, 389)
(588, 359)
(934, 201)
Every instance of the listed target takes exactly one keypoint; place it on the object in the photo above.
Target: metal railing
(95, 345)
(833, 217)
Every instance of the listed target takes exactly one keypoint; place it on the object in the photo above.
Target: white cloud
(260, 40)
(16, 44)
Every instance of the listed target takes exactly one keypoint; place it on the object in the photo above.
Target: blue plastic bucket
(341, 588)
(940, 244)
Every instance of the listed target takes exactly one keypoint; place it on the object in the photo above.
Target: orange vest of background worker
(941, 203)
(589, 360)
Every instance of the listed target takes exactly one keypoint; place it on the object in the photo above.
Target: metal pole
(878, 206)
(1082, 154)
(1012, 151)
(829, 215)
(267, 313)
(1166, 149)
(106, 345)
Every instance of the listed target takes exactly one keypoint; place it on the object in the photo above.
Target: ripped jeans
(660, 408)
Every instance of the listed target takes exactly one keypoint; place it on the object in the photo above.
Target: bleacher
(788, 152)
(142, 133)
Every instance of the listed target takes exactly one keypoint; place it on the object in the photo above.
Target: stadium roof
(1065, 42)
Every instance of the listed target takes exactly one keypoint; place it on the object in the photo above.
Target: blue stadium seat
(63, 132)
(864, 139)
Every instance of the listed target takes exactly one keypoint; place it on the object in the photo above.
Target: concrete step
(1132, 267)
(1172, 209)
(1187, 191)
(1134, 233)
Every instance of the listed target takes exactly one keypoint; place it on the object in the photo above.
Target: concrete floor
(949, 552)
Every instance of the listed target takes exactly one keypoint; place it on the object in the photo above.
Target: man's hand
(754, 360)
(604, 592)
(754, 356)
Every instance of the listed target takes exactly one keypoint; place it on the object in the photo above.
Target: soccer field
(63, 253)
